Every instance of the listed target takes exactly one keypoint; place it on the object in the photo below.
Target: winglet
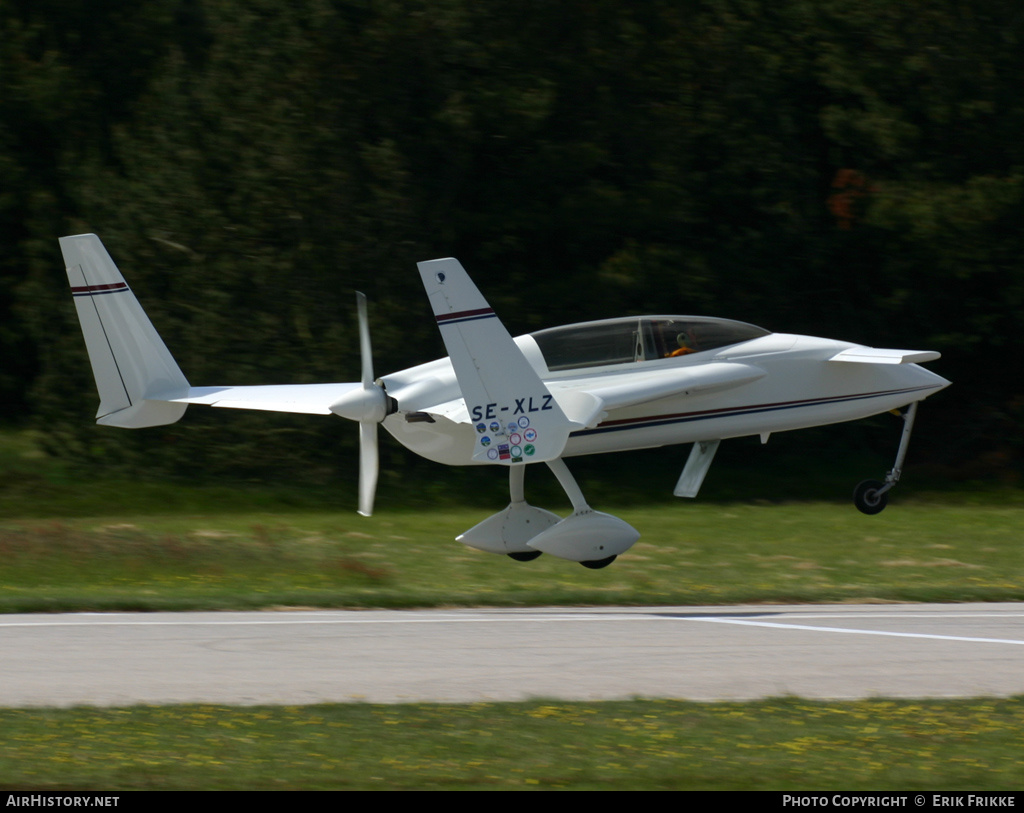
(516, 418)
(129, 360)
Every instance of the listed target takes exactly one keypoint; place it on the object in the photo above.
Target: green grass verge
(697, 554)
(75, 543)
(783, 744)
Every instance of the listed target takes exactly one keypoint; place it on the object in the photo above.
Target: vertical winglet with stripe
(515, 417)
(134, 370)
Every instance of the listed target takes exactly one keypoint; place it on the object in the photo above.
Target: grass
(72, 543)
(782, 744)
(694, 554)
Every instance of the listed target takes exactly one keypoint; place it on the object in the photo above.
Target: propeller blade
(375, 407)
(364, 340)
(369, 466)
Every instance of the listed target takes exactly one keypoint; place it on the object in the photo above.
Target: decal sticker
(485, 441)
(530, 435)
(529, 449)
(515, 439)
(512, 427)
(503, 451)
(516, 451)
(496, 428)
(492, 454)
(523, 422)
(481, 428)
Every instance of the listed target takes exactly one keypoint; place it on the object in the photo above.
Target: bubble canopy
(638, 338)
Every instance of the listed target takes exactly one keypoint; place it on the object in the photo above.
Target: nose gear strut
(871, 496)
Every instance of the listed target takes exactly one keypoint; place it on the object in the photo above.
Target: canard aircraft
(611, 385)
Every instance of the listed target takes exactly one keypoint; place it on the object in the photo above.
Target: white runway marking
(843, 630)
(499, 616)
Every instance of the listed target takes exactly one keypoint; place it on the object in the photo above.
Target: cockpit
(638, 338)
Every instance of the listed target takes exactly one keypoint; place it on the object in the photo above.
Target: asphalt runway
(697, 653)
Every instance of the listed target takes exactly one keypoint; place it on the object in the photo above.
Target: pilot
(685, 347)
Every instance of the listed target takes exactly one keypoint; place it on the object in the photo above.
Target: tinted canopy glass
(621, 341)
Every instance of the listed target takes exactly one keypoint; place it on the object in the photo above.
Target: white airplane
(611, 385)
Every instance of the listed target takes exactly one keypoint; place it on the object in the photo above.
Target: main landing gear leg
(569, 485)
(579, 504)
(510, 531)
(517, 493)
(871, 496)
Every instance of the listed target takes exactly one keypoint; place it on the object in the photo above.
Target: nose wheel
(871, 496)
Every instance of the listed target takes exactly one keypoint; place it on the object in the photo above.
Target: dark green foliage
(848, 170)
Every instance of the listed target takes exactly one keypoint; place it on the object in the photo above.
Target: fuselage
(610, 385)
(790, 383)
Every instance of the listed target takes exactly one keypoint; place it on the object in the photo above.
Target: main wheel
(597, 564)
(868, 499)
(524, 555)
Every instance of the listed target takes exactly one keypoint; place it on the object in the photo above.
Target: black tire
(867, 498)
(597, 564)
(524, 555)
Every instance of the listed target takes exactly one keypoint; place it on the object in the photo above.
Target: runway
(697, 653)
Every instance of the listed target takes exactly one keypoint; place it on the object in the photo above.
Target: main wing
(139, 382)
(304, 399)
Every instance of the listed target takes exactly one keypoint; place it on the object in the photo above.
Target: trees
(824, 167)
